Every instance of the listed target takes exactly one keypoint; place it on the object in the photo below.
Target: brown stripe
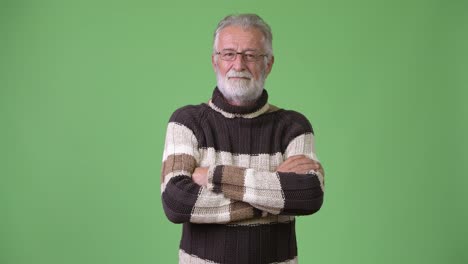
(232, 182)
(176, 163)
(240, 211)
(233, 192)
(233, 175)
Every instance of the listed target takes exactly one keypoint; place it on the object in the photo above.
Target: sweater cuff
(215, 174)
(214, 178)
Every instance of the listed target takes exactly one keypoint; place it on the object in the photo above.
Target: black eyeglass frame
(252, 58)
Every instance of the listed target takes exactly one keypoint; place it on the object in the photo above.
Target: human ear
(213, 62)
(269, 65)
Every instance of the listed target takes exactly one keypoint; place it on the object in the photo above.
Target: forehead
(236, 37)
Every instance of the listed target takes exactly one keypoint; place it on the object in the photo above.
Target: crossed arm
(299, 164)
(293, 189)
(226, 193)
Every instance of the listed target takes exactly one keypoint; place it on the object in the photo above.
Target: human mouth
(235, 75)
(239, 78)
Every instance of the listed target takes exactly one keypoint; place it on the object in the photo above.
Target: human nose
(238, 63)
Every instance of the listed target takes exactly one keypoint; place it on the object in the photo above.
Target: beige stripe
(232, 115)
(263, 180)
(168, 177)
(301, 145)
(180, 140)
(240, 210)
(263, 189)
(271, 210)
(321, 179)
(211, 207)
(211, 157)
(178, 162)
(272, 108)
(185, 258)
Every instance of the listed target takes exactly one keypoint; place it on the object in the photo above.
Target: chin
(240, 90)
(241, 93)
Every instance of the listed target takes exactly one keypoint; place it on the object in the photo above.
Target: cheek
(256, 71)
(223, 68)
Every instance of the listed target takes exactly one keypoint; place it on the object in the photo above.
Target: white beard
(240, 91)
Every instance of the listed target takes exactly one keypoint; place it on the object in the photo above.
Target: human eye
(227, 54)
(250, 56)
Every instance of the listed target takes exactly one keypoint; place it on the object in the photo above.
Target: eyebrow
(241, 51)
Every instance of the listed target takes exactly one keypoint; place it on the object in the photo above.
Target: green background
(87, 89)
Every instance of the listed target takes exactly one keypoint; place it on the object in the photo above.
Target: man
(237, 170)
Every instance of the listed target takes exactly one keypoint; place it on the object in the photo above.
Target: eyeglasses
(248, 56)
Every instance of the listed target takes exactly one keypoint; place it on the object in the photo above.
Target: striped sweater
(246, 213)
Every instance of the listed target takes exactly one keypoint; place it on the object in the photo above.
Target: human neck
(234, 108)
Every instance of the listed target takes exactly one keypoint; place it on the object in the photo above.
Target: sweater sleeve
(185, 201)
(274, 192)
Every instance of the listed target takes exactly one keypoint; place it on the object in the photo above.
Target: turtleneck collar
(220, 104)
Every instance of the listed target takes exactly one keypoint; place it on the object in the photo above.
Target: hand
(200, 176)
(299, 164)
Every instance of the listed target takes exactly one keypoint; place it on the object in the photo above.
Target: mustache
(242, 74)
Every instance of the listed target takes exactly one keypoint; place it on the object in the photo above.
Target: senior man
(237, 170)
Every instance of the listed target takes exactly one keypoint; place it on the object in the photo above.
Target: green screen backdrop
(87, 88)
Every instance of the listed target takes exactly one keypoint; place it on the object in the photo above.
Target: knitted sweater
(246, 213)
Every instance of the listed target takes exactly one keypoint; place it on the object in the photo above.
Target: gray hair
(246, 21)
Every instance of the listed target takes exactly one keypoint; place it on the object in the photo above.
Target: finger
(300, 165)
(283, 168)
(312, 163)
(321, 170)
(290, 163)
(303, 168)
(295, 159)
(302, 161)
(286, 166)
(298, 168)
